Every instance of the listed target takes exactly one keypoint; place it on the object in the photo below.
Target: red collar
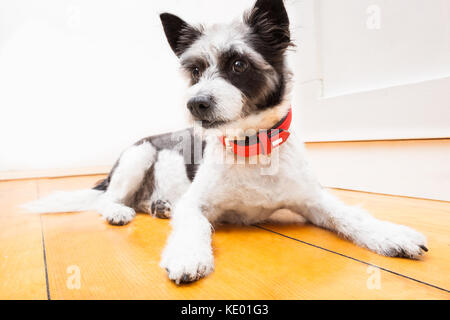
(264, 141)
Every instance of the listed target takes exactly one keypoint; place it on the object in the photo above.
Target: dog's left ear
(179, 33)
(269, 20)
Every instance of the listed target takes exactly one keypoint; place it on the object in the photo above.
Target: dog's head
(236, 71)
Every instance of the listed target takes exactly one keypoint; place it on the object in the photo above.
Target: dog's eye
(239, 66)
(195, 73)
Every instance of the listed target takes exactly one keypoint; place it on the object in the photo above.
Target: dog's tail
(69, 201)
(65, 201)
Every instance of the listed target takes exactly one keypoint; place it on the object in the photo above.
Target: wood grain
(122, 262)
(432, 218)
(251, 263)
(22, 269)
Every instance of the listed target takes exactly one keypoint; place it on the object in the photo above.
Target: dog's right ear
(270, 22)
(180, 34)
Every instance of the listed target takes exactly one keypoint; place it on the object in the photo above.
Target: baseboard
(412, 168)
(53, 173)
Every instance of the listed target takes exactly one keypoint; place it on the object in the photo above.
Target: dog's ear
(179, 33)
(269, 20)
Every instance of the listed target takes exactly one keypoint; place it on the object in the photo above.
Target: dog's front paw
(395, 240)
(119, 215)
(185, 263)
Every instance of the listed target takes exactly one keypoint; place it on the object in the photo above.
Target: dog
(238, 100)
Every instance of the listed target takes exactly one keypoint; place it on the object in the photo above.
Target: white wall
(77, 81)
(81, 80)
(373, 44)
(381, 70)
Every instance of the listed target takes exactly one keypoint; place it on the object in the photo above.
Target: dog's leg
(188, 254)
(383, 237)
(125, 182)
(170, 183)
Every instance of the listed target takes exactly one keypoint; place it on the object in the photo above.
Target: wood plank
(429, 217)
(22, 269)
(122, 263)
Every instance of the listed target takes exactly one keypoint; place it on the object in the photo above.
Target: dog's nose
(198, 106)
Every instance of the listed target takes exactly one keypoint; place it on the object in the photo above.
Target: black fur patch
(252, 82)
(189, 145)
(145, 190)
(180, 34)
(270, 37)
(102, 185)
(184, 141)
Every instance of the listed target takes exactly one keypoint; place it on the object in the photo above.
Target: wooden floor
(44, 256)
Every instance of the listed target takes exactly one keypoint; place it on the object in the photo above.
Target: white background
(81, 80)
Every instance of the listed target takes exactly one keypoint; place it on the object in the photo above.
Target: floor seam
(354, 259)
(43, 246)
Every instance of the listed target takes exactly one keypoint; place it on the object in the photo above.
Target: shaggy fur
(239, 85)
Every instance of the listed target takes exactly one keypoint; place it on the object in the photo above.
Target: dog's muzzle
(202, 108)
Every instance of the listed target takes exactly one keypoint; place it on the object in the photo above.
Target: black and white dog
(241, 164)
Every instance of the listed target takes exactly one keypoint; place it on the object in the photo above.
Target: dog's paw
(120, 215)
(185, 263)
(395, 240)
(161, 209)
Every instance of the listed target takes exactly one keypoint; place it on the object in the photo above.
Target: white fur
(229, 100)
(188, 253)
(65, 201)
(126, 180)
(219, 38)
(171, 181)
(285, 216)
(358, 225)
(215, 40)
